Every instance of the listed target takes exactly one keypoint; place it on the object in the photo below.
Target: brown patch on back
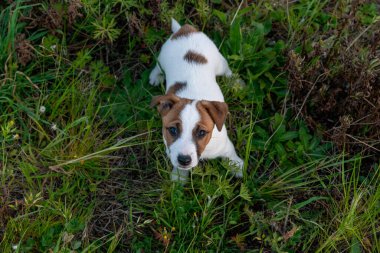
(193, 57)
(184, 31)
(177, 87)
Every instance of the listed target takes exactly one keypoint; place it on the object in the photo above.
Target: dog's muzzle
(184, 160)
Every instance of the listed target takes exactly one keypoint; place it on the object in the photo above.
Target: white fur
(184, 144)
(201, 85)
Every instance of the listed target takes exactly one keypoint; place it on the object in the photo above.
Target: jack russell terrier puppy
(193, 110)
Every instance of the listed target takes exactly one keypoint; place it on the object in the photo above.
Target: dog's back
(191, 59)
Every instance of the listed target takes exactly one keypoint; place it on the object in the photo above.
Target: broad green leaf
(280, 149)
(304, 137)
(221, 15)
(290, 135)
(235, 36)
(306, 202)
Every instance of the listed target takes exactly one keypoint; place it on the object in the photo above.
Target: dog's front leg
(179, 175)
(222, 67)
(235, 160)
(155, 77)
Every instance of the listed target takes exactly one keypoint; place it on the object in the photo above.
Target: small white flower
(54, 127)
(53, 47)
(42, 109)
(14, 246)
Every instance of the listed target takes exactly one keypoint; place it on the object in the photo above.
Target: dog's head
(188, 126)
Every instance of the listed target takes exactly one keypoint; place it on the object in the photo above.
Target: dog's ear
(217, 111)
(164, 103)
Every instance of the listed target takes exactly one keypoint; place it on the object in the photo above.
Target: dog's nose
(184, 160)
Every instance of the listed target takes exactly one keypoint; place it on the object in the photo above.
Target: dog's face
(188, 126)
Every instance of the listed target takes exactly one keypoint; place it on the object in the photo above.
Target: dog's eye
(201, 133)
(173, 131)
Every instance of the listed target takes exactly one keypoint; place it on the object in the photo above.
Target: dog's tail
(175, 25)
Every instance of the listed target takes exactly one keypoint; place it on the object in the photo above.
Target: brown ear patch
(164, 103)
(194, 57)
(177, 87)
(184, 31)
(217, 111)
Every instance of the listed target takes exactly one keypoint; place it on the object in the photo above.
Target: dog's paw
(179, 176)
(228, 72)
(155, 79)
(238, 166)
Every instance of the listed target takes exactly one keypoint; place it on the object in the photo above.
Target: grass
(83, 167)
